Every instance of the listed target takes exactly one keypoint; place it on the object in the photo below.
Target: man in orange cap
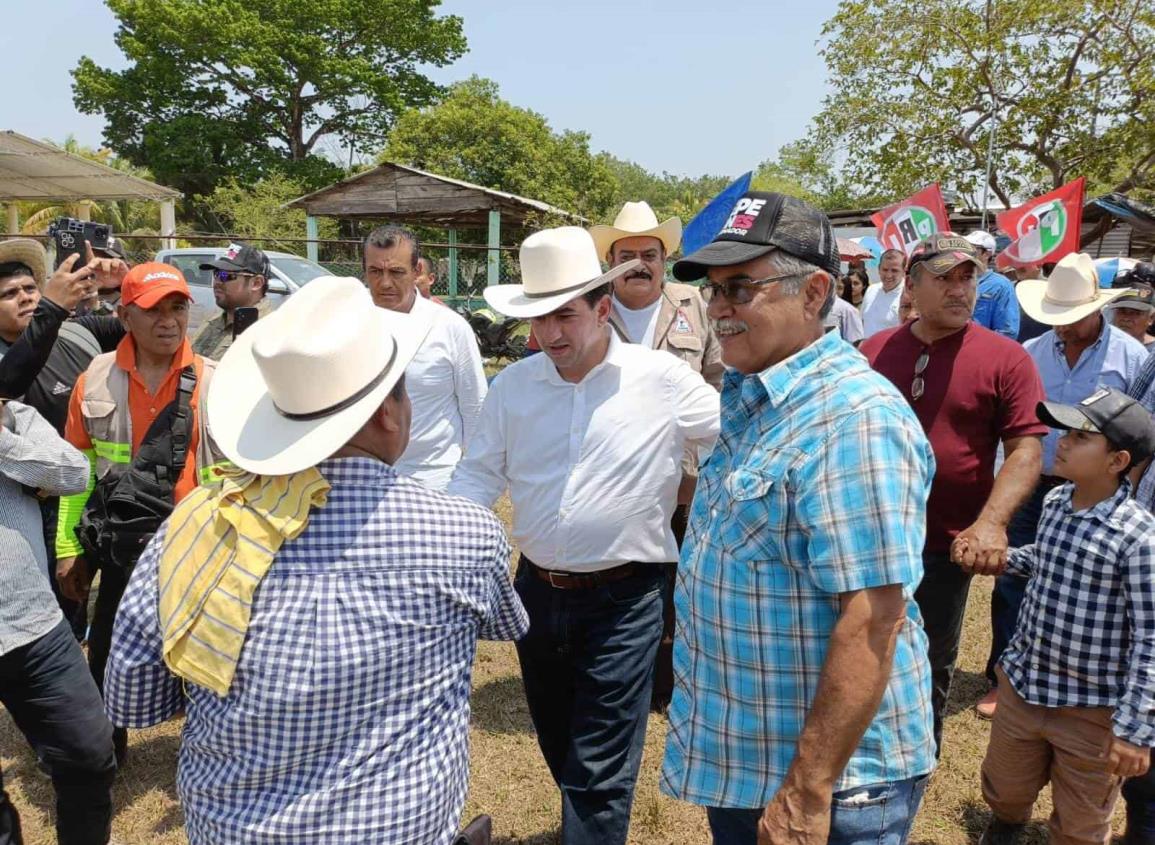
(111, 415)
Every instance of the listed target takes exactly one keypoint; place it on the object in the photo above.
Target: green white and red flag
(1045, 229)
(904, 224)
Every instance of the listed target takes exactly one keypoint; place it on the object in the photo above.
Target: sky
(677, 86)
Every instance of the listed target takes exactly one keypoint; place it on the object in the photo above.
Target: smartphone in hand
(243, 318)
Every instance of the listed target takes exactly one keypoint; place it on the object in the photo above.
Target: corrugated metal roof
(34, 170)
(1116, 242)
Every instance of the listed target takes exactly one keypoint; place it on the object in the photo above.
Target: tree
(218, 89)
(258, 211)
(1072, 84)
(668, 194)
(475, 135)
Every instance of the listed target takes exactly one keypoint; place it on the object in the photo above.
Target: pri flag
(1044, 229)
(904, 224)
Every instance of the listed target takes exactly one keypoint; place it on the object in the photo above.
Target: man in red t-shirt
(971, 389)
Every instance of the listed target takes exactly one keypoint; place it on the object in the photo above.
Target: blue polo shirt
(1113, 360)
(996, 307)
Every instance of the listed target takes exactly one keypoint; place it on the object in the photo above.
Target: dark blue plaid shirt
(1086, 632)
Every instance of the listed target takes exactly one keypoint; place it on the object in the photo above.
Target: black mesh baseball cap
(1115, 415)
(760, 223)
(241, 258)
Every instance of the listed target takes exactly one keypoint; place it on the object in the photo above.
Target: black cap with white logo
(1116, 416)
(761, 223)
(241, 258)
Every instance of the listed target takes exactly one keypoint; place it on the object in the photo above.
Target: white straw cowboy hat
(28, 252)
(1068, 295)
(297, 385)
(557, 266)
(636, 220)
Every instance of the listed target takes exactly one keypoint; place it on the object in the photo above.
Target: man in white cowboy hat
(588, 438)
(660, 314)
(1082, 353)
(331, 704)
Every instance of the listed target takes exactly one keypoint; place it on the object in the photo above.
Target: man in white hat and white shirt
(996, 307)
(446, 380)
(1080, 355)
(660, 314)
(588, 438)
(316, 614)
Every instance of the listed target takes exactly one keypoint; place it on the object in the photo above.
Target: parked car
(290, 273)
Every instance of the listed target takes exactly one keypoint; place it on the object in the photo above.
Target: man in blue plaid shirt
(802, 706)
(346, 718)
(1078, 709)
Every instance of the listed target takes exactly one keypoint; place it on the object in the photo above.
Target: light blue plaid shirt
(817, 487)
(348, 718)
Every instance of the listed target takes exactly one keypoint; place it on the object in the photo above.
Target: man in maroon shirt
(971, 389)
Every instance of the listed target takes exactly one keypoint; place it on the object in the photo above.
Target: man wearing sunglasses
(240, 280)
(801, 705)
(972, 389)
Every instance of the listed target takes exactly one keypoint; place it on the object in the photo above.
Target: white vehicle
(289, 273)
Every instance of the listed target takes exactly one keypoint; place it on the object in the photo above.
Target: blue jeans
(587, 664)
(52, 698)
(1009, 590)
(878, 814)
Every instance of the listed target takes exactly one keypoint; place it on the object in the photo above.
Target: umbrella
(849, 250)
(1109, 268)
(872, 245)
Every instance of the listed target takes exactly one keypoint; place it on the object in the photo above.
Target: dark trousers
(587, 665)
(1009, 590)
(47, 688)
(113, 581)
(73, 611)
(942, 601)
(664, 664)
(1139, 793)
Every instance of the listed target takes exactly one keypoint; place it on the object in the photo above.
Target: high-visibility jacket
(103, 399)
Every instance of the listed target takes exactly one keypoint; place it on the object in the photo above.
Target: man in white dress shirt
(588, 439)
(880, 302)
(446, 382)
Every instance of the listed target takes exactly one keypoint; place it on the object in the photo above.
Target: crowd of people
(753, 498)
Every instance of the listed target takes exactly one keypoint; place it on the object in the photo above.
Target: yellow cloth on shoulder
(218, 546)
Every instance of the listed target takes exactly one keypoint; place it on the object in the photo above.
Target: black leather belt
(587, 580)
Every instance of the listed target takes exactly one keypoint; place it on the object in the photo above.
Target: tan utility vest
(109, 422)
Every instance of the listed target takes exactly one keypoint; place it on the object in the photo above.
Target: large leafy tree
(918, 84)
(668, 194)
(475, 135)
(224, 88)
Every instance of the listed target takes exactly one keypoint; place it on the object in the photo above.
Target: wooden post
(493, 274)
(311, 233)
(13, 219)
(453, 264)
(168, 224)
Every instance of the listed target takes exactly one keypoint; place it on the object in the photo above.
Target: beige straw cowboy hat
(637, 220)
(28, 252)
(295, 387)
(1069, 294)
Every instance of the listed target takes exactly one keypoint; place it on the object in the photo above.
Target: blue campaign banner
(709, 221)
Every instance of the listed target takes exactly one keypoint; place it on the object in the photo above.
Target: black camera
(70, 234)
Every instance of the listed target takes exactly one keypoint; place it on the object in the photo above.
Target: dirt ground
(511, 783)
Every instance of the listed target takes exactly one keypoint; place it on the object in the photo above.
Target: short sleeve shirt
(980, 388)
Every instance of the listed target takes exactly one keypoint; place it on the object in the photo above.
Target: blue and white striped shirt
(817, 487)
(348, 717)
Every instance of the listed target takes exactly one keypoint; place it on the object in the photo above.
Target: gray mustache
(729, 325)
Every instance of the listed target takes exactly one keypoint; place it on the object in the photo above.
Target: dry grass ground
(510, 780)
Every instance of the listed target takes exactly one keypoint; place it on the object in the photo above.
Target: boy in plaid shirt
(1080, 671)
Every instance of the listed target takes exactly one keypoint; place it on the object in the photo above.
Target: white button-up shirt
(592, 468)
(446, 386)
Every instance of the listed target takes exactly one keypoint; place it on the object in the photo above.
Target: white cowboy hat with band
(1069, 294)
(295, 387)
(557, 266)
(637, 220)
